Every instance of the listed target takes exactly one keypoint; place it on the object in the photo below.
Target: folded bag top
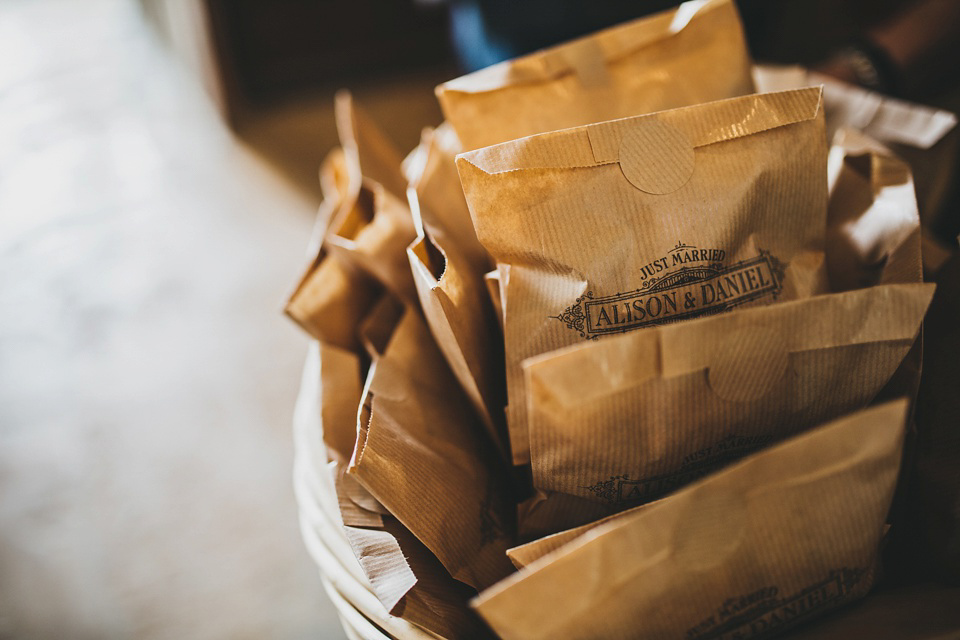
(615, 226)
(676, 133)
(687, 55)
(732, 348)
(610, 44)
(533, 201)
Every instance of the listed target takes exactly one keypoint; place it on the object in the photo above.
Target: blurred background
(158, 182)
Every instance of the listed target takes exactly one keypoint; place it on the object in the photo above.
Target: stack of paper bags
(625, 349)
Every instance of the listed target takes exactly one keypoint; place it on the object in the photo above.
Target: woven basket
(362, 615)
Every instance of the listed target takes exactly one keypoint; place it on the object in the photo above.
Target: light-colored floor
(147, 378)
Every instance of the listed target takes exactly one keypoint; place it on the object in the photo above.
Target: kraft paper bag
(496, 289)
(371, 155)
(373, 235)
(341, 384)
(334, 175)
(631, 223)
(367, 217)
(377, 328)
(921, 612)
(435, 602)
(422, 453)
(331, 297)
(334, 184)
(623, 421)
(874, 236)
(873, 232)
(463, 321)
(873, 227)
(373, 225)
(882, 118)
(437, 198)
(925, 137)
(330, 301)
(447, 263)
(343, 372)
(782, 537)
(691, 54)
(404, 576)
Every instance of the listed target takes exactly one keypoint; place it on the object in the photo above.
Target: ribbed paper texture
(373, 236)
(398, 569)
(362, 231)
(448, 263)
(423, 454)
(780, 538)
(627, 420)
(592, 255)
(694, 53)
(437, 196)
(462, 320)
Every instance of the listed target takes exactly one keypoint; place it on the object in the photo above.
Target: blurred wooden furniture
(249, 53)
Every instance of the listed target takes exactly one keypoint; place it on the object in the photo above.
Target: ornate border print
(680, 293)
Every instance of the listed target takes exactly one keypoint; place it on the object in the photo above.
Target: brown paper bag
(447, 261)
(464, 324)
(331, 299)
(632, 223)
(341, 384)
(921, 612)
(687, 55)
(873, 233)
(873, 228)
(334, 184)
(780, 538)
(404, 576)
(377, 328)
(373, 235)
(371, 155)
(422, 453)
(373, 225)
(435, 602)
(874, 236)
(367, 218)
(925, 137)
(313, 296)
(497, 290)
(407, 579)
(623, 421)
(882, 118)
(437, 197)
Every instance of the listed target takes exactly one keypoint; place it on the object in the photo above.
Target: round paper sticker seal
(656, 157)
